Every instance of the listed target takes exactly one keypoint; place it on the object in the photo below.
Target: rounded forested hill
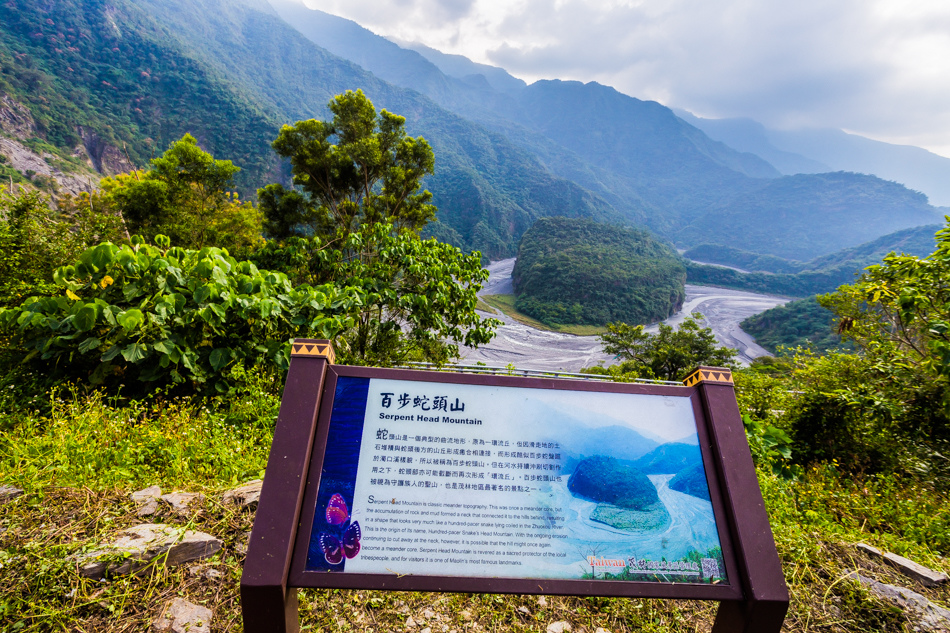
(691, 481)
(802, 323)
(608, 480)
(577, 271)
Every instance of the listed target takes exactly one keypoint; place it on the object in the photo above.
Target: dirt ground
(528, 348)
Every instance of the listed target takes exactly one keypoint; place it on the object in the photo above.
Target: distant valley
(656, 169)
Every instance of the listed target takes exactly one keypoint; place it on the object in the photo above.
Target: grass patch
(817, 520)
(484, 307)
(89, 441)
(506, 304)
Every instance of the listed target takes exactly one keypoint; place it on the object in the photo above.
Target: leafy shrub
(419, 295)
(154, 314)
(35, 239)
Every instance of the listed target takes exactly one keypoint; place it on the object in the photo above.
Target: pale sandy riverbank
(528, 348)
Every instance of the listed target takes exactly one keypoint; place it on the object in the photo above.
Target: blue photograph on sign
(496, 481)
(335, 536)
(647, 488)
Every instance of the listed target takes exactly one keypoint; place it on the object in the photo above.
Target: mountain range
(824, 150)
(126, 78)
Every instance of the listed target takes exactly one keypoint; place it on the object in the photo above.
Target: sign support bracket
(268, 604)
(766, 594)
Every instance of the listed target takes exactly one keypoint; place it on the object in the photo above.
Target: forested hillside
(231, 72)
(809, 215)
(917, 241)
(817, 150)
(102, 74)
(125, 79)
(572, 271)
(802, 323)
(822, 274)
(654, 168)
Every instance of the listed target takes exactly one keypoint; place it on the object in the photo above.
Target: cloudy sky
(880, 68)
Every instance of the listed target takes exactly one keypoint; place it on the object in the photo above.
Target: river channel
(529, 348)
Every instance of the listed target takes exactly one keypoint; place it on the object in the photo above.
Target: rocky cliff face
(106, 159)
(46, 170)
(15, 118)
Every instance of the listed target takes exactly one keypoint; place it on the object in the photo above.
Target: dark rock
(924, 575)
(137, 546)
(246, 495)
(932, 617)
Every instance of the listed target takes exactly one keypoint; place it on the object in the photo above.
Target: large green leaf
(202, 294)
(130, 319)
(85, 318)
(134, 352)
(131, 291)
(102, 256)
(89, 344)
(219, 358)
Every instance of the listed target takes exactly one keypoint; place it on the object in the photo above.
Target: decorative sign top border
(309, 347)
(709, 374)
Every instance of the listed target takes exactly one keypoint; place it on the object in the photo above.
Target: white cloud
(875, 67)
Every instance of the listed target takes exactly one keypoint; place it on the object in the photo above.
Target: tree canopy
(185, 194)
(360, 168)
(577, 271)
(353, 218)
(670, 354)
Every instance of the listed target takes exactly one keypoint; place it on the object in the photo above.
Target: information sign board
(436, 481)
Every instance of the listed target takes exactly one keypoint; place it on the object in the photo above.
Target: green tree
(354, 218)
(371, 173)
(419, 295)
(901, 308)
(670, 354)
(36, 238)
(896, 400)
(185, 195)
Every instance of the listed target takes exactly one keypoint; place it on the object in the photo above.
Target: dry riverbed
(528, 348)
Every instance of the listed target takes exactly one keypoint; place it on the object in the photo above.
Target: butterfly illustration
(348, 545)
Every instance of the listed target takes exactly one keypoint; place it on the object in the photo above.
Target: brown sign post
(368, 464)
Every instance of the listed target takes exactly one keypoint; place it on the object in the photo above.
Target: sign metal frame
(756, 598)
